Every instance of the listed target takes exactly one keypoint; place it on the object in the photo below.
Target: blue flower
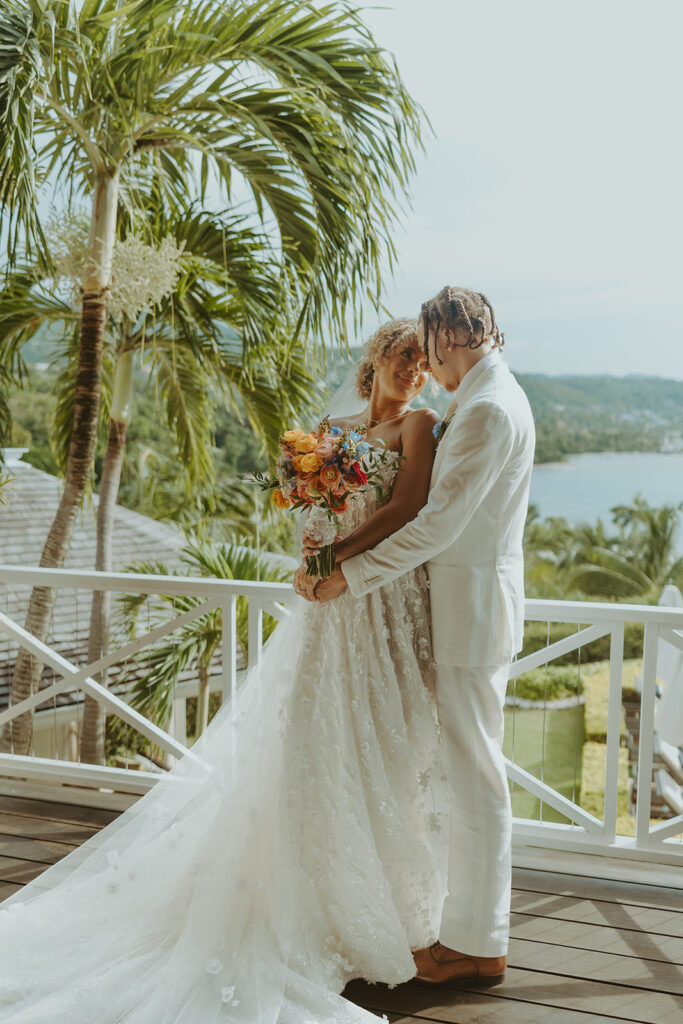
(336, 431)
(439, 428)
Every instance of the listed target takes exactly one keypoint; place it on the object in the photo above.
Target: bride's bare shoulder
(421, 419)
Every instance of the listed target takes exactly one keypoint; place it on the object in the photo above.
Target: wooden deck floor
(583, 950)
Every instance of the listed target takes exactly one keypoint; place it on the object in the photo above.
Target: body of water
(586, 487)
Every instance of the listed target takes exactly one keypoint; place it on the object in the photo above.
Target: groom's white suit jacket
(470, 531)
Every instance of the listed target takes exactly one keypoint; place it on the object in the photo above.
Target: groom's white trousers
(476, 912)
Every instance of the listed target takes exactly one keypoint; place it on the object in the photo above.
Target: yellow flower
(292, 436)
(309, 462)
(306, 443)
(279, 499)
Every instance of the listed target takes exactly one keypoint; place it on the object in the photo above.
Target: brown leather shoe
(439, 965)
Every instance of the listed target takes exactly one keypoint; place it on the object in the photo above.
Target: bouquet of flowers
(322, 470)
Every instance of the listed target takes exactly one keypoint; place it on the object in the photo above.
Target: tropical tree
(649, 535)
(195, 645)
(294, 103)
(642, 557)
(639, 559)
(214, 283)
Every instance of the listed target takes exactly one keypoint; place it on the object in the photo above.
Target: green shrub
(537, 635)
(553, 684)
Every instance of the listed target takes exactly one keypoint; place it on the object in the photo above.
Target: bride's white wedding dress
(304, 846)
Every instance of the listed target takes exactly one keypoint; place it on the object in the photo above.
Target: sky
(552, 181)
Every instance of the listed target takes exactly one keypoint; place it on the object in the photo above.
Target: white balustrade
(585, 831)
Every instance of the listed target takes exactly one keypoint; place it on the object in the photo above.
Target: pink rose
(325, 450)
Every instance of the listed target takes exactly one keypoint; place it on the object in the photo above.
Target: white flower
(143, 275)
(213, 967)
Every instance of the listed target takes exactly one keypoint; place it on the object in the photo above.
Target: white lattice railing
(661, 841)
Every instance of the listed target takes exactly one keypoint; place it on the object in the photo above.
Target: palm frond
(28, 303)
(603, 571)
(198, 642)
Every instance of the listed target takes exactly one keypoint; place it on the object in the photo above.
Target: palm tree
(649, 534)
(197, 345)
(639, 560)
(294, 102)
(194, 646)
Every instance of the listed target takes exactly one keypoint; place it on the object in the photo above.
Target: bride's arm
(410, 492)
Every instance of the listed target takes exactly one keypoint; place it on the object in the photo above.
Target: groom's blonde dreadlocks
(460, 310)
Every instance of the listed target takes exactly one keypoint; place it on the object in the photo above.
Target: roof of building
(32, 500)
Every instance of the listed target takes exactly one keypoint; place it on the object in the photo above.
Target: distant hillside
(596, 414)
(588, 414)
(572, 414)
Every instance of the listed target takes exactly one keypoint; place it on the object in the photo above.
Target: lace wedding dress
(303, 845)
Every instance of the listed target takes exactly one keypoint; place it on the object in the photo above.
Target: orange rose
(279, 500)
(329, 477)
(313, 487)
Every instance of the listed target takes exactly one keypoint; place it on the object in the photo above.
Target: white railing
(661, 841)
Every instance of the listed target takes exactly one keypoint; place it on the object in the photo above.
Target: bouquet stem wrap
(321, 529)
(323, 564)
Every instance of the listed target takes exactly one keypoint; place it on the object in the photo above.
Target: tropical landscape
(198, 205)
(222, 325)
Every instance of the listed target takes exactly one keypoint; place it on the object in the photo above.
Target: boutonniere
(440, 428)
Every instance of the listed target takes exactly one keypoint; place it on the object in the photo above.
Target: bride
(303, 843)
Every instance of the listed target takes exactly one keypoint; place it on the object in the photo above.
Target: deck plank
(8, 888)
(595, 911)
(13, 870)
(609, 890)
(72, 795)
(59, 811)
(34, 849)
(583, 950)
(525, 996)
(36, 827)
(571, 963)
(476, 1009)
(630, 943)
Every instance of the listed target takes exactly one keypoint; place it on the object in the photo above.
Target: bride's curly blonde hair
(387, 339)
(470, 312)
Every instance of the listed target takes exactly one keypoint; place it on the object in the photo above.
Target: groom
(470, 535)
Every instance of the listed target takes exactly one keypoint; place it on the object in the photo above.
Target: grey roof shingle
(33, 497)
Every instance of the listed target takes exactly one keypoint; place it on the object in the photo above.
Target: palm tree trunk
(94, 716)
(17, 734)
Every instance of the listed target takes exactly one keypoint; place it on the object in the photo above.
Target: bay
(587, 486)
